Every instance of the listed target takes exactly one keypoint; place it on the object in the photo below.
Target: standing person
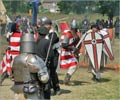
(54, 76)
(75, 31)
(109, 25)
(15, 40)
(14, 50)
(77, 35)
(3, 19)
(45, 51)
(96, 75)
(28, 70)
(9, 25)
(53, 65)
(117, 28)
(35, 4)
(85, 25)
(103, 31)
(67, 57)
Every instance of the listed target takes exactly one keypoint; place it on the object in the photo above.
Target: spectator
(85, 25)
(117, 28)
(35, 4)
(3, 19)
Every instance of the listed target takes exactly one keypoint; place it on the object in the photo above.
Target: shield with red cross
(93, 45)
(107, 46)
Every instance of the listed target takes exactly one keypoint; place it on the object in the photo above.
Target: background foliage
(108, 7)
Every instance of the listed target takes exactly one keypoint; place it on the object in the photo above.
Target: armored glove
(75, 50)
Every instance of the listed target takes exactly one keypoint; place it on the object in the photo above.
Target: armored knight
(67, 57)
(29, 71)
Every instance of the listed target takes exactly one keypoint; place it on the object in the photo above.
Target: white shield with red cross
(107, 46)
(93, 45)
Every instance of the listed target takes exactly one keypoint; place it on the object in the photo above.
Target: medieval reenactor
(29, 71)
(75, 31)
(67, 57)
(107, 51)
(13, 50)
(52, 36)
(92, 41)
(76, 35)
(102, 32)
(45, 51)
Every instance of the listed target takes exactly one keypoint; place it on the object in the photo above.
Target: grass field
(81, 86)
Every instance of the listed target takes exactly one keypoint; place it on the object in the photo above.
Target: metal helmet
(45, 21)
(27, 43)
(74, 24)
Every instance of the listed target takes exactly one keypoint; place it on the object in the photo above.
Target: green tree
(109, 7)
(14, 6)
(77, 6)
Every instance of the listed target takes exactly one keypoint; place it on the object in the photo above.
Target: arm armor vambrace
(37, 65)
(65, 44)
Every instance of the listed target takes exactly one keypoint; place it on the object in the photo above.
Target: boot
(95, 79)
(67, 79)
(57, 89)
(3, 77)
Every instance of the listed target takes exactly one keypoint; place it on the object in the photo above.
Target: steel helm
(27, 43)
(45, 21)
(74, 24)
(43, 30)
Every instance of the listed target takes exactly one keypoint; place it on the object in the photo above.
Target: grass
(82, 88)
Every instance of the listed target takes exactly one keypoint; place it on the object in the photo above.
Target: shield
(107, 47)
(64, 27)
(93, 45)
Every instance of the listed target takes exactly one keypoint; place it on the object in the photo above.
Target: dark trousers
(9, 26)
(117, 35)
(34, 14)
(53, 74)
(3, 26)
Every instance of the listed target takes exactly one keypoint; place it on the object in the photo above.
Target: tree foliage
(110, 8)
(14, 6)
(77, 6)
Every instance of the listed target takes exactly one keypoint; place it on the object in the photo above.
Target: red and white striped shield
(93, 45)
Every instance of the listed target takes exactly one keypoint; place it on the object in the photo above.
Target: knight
(29, 71)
